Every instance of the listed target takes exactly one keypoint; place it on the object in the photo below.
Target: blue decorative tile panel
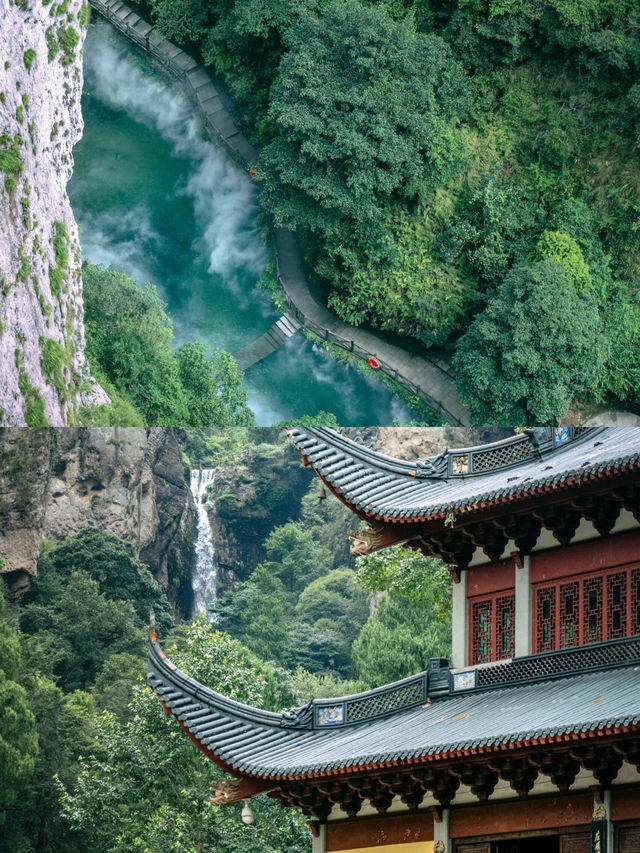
(330, 715)
(464, 680)
(561, 435)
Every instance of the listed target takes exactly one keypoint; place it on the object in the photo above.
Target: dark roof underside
(252, 742)
(389, 489)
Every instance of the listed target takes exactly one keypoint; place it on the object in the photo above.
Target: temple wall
(520, 575)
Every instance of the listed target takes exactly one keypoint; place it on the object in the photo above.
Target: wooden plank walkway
(431, 380)
(281, 331)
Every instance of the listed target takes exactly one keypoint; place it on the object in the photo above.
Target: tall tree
(398, 641)
(18, 736)
(537, 343)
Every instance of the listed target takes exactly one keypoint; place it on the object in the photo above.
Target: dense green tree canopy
(112, 563)
(398, 640)
(416, 187)
(129, 347)
(363, 114)
(72, 634)
(538, 341)
(255, 612)
(18, 736)
(600, 35)
(334, 596)
(296, 557)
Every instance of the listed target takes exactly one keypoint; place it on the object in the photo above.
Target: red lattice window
(592, 610)
(482, 622)
(505, 626)
(635, 601)
(546, 622)
(586, 609)
(616, 605)
(492, 628)
(569, 615)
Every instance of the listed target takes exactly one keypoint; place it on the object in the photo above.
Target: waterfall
(203, 580)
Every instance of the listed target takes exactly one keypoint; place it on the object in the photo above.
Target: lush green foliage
(18, 738)
(71, 636)
(256, 613)
(416, 208)
(300, 606)
(213, 387)
(129, 343)
(407, 573)
(112, 563)
(411, 624)
(398, 640)
(362, 113)
(305, 609)
(538, 340)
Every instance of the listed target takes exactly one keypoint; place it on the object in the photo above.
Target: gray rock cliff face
(250, 496)
(43, 370)
(54, 483)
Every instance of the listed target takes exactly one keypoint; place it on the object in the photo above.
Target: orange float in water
(372, 361)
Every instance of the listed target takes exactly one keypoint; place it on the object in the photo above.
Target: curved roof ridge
(201, 693)
(372, 691)
(384, 489)
(536, 435)
(161, 665)
(352, 448)
(539, 438)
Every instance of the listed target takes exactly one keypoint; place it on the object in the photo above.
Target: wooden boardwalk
(281, 331)
(428, 379)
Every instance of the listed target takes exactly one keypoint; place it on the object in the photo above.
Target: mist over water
(156, 199)
(223, 200)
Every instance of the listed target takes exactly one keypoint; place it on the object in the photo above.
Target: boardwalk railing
(201, 89)
(351, 346)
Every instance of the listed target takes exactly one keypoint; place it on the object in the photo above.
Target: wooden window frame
(497, 629)
(605, 629)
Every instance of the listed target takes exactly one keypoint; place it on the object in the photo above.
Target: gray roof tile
(253, 742)
(384, 487)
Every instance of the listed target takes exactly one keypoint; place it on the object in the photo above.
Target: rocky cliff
(250, 496)
(43, 372)
(410, 443)
(131, 482)
(262, 488)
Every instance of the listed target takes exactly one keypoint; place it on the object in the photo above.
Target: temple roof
(462, 480)
(595, 691)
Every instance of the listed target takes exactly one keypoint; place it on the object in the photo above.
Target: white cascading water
(204, 577)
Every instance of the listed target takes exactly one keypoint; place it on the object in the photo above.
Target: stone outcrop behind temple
(43, 370)
(130, 482)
